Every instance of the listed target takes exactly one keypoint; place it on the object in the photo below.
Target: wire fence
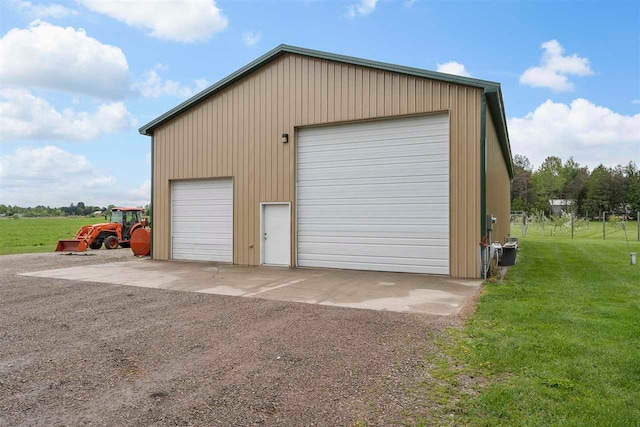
(568, 226)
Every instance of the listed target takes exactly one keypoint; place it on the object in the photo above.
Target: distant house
(559, 206)
(98, 213)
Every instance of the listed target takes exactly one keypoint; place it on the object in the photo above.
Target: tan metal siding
(498, 185)
(236, 133)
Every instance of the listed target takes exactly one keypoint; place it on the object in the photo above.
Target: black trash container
(509, 251)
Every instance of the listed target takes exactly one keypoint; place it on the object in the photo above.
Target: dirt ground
(77, 353)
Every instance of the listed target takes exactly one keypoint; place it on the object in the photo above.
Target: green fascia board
(496, 109)
(488, 86)
(153, 174)
(467, 81)
(483, 164)
(483, 179)
(211, 90)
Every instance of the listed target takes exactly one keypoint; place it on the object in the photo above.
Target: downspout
(483, 184)
(153, 207)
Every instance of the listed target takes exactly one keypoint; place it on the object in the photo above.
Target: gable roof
(492, 90)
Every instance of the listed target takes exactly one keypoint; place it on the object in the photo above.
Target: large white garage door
(202, 220)
(375, 195)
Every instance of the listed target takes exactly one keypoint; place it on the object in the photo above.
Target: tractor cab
(128, 217)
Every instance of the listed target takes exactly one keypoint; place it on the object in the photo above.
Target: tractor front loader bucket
(71, 246)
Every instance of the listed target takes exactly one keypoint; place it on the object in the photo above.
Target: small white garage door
(202, 220)
(375, 195)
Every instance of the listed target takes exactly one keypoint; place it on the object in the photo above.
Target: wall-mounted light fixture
(285, 138)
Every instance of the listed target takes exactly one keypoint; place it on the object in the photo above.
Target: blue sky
(570, 73)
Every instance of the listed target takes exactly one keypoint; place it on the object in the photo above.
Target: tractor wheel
(96, 244)
(111, 242)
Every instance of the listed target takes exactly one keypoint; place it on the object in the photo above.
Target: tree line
(604, 189)
(79, 209)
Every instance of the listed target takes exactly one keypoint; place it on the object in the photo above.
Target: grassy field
(38, 234)
(557, 343)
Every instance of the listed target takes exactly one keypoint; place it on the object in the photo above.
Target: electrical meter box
(490, 221)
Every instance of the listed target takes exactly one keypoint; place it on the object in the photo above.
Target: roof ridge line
(284, 48)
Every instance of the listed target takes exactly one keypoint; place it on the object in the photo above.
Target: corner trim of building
(153, 164)
(495, 105)
(483, 179)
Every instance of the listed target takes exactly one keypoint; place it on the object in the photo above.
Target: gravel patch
(89, 353)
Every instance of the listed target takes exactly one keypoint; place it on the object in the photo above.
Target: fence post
(604, 218)
(571, 225)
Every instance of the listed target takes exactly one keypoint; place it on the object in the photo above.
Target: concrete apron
(401, 292)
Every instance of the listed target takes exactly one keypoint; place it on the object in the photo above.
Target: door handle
(265, 236)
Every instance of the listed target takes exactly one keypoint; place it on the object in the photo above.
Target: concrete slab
(401, 292)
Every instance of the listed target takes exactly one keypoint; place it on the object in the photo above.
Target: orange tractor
(125, 228)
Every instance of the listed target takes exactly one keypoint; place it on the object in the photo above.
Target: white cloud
(409, 3)
(591, 134)
(52, 10)
(26, 116)
(363, 7)
(635, 101)
(154, 86)
(178, 20)
(555, 68)
(142, 192)
(51, 176)
(101, 181)
(51, 161)
(453, 67)
(251, 38)
(66, 59)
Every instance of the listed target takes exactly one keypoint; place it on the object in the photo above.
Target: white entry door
(375, 195)
(276, 234)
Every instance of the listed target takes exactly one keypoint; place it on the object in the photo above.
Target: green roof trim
(496, 109)
(495, 106)
(153, 174)
(483, 181)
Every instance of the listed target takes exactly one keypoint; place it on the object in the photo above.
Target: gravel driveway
(76, 353)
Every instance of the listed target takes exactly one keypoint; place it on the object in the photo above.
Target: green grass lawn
(38, 234)
(558, 342)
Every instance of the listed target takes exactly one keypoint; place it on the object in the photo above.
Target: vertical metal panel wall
(237, 133)
(498, 185)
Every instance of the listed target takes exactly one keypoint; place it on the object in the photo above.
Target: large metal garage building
(311, 159)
